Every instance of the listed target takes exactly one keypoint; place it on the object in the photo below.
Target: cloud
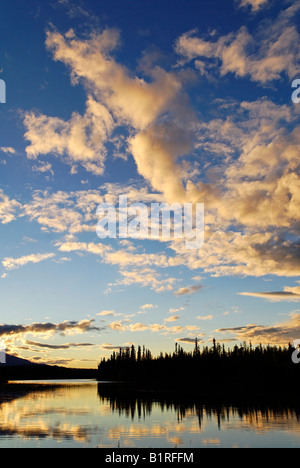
(187, 340)
(148, 307)
(175, 310)
(130, 99)
(290, 294)
(279, 334)
(174, 318)
(79, 140)
(7, 150)
(110, 347)
(118, 326)
(71, 212)
(156, 151)
(251, 194)
(206, 317)
(144, 276)
(188, 290)
(43, 167)
(48, 328)
(10, 263)
(73, 10)
(8, 208)
(147, 277)
(119, 99)
(152, 327)
(138, 327)
(56, 347)
(263, 56)
(76, 211)
(255, 5)
(107, 313)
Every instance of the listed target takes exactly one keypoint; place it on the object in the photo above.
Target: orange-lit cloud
(8, 208)
(272, 47)
(255, 5)
(279, 334)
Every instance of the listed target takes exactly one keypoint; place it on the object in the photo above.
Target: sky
(163, 102)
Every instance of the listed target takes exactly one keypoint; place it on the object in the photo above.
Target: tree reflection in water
(125, 400)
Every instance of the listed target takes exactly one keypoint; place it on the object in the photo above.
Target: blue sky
(174, 101)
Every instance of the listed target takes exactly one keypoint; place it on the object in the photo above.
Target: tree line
(244, 366)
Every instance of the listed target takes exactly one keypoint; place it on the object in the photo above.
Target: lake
(85, 414)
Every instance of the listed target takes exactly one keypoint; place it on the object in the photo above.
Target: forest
(244, 369)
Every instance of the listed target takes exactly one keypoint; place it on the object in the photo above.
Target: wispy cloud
(205, 317)
(174, 318)
(290, 294)
(188, 290)
(58, 347)
(10, 263)
(8, 208)
(7, 150)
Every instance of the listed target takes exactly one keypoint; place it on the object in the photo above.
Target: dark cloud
(274, 295)
(187, 340)
(41, 328)
(64, 346)
(114, 348)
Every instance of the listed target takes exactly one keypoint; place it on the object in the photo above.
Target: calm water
(83, 414)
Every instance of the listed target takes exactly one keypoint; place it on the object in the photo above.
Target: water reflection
(101, 415)
(262, 417)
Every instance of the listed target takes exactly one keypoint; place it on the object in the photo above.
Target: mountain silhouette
(13, 361)
(16, 368)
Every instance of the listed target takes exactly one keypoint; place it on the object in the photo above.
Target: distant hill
(21, 369)
(13, 361)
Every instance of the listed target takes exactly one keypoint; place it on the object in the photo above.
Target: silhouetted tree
(265, 367)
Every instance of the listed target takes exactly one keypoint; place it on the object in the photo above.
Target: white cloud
(175, 310)
(118, 98)
(8, 208)
(79, 140)
(174, 318)
(43, 167)
(8, 150)
(10, 263)
(148, 307)
(153, 327)
(107, 313)
(147, 277)
(251, 195)
(130, 99)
